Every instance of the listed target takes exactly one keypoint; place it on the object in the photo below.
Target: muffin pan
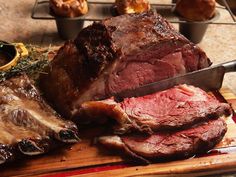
(100, 10)
(68, 27)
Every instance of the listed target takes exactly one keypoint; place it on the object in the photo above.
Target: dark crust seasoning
(150, 22)
(100, 46)
(101, 43)
(95, 43)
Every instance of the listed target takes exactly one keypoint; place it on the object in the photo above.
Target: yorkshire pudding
(69, 8)
(196, 10)
(132, 6)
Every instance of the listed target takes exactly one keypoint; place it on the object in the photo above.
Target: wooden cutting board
(87, 159)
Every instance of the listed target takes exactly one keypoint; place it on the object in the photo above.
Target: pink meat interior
(169, 106)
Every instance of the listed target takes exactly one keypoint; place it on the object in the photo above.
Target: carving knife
(208, 79)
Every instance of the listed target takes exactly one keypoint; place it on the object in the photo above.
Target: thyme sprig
(32, 65)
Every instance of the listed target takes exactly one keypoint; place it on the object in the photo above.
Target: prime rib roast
(106, 58)
(28, 126)
(176, 108)
(169, 145)
(116, 54)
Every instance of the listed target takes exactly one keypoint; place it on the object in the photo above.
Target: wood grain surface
(87, 159)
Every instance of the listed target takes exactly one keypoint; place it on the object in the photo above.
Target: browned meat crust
(27, 124)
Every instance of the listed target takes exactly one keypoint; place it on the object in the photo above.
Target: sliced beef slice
(175, 108)
(27, 124)
(169, 145)
(116, 54)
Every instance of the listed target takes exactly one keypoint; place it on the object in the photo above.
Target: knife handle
(230, 66)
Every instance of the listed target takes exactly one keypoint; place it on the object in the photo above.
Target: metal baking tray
(101, 10)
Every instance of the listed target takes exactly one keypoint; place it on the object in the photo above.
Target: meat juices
(27, 124)
(114, 55)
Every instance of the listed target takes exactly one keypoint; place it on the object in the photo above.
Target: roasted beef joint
(176, 108)
(116, 54)
(27, 124)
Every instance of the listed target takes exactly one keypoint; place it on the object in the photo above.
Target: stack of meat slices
(27, 124)
(178, 122)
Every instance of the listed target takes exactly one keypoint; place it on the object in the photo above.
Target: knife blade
(208, 79)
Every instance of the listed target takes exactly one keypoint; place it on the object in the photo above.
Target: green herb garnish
(32, 65)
